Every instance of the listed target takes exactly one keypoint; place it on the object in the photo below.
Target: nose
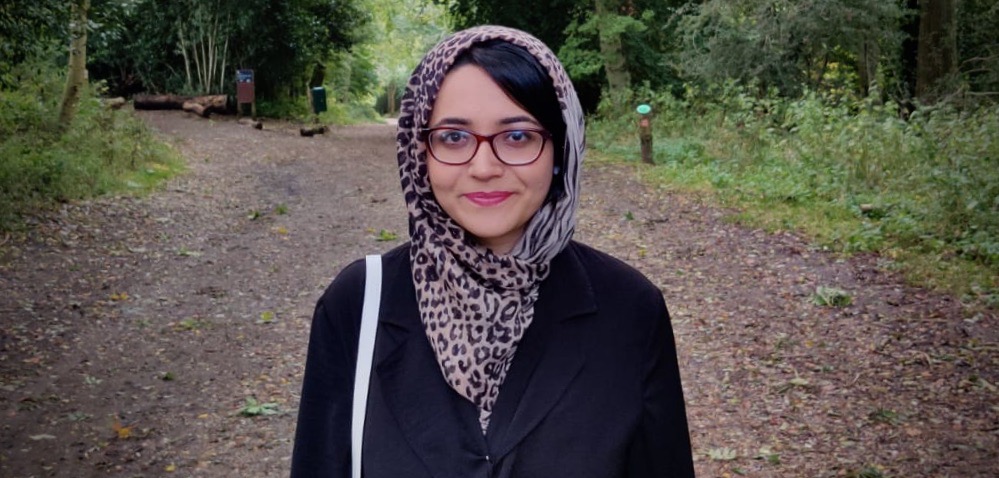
(484, 163)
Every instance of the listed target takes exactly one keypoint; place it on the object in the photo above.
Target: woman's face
(491, 200)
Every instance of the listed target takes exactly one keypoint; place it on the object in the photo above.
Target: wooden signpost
(245, 93)
(645, 132)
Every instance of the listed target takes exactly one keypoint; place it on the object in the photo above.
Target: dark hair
(528, 84)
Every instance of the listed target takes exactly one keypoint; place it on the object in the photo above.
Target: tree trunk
(611, 49)
(390, 97)
(211, 104)
(937, 54)
(867, 65)
(910, 55)
(76, 78)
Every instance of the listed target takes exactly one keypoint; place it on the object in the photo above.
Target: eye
(520, 138)
(451, 138)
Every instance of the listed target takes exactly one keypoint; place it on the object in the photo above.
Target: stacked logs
(202, 106)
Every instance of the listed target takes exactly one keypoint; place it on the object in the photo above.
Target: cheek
(433, 174)
(542, 175)
(542, 182)
(441, 179)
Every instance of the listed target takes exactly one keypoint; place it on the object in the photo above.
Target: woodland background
(868, 125)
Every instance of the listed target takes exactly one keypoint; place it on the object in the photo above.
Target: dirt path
(133, 331)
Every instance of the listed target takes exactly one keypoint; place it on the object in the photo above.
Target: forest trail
(166, 335)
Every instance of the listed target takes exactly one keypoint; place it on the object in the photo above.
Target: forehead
(468, 95)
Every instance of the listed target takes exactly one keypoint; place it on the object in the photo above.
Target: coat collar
(437, 421)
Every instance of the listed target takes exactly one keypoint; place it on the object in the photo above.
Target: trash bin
(318, 99)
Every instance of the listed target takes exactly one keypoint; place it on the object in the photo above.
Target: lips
(490, 198)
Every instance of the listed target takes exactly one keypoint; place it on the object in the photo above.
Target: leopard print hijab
(476, 305)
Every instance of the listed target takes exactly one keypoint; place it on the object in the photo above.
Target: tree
(611, 27)
(76, 78)
(546, 20)
(203, 41)
(194, 46)
(978, 46)
(910, 51)
(937, 53)
(26, 30)
(404, 31)
(785, 44)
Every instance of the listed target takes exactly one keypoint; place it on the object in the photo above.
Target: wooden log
(313, 130)
(114, 103)
(159, 102)
(211, 103)
(252, 123)
(193, 107)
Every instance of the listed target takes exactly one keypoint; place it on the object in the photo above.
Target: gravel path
(137, 335)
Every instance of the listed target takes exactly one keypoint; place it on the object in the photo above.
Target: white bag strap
(365, 352)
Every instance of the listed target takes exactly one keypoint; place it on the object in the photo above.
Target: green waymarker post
(645, 132)
(318, 100)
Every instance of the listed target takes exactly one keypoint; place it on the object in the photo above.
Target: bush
(102, 151)
(850, 172)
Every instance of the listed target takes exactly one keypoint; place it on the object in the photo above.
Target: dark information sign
(244, 86)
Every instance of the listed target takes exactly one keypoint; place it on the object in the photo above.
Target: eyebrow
(504, 121)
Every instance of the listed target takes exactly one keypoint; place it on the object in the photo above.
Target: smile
(491, 198)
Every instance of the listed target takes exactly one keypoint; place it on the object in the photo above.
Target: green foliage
(403, 31)
(253, 408)
(385, 235)
(790, 45)
(141, 44)
(571, 28)
(884, 415)
(103, 151)
(350, 83)
(826, 296)
(581, 51)
(922, 191)
(27, 29)
(545, 20)
(978, 44)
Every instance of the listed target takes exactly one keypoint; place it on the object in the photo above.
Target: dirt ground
(133, 332)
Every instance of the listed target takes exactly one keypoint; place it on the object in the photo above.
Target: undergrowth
(103, 151)
(348, 112)
(923, 192)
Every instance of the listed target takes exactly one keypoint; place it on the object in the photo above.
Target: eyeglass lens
(457, 146)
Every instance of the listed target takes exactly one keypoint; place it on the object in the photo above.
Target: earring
(557, 170)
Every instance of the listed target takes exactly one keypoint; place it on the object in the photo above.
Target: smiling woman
(503, 348)
(494, 191)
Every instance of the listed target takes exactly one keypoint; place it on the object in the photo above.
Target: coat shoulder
(348, 284)
(605, 270)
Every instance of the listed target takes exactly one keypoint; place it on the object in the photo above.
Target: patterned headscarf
(476, 305)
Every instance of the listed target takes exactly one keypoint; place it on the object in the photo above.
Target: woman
(503, 348)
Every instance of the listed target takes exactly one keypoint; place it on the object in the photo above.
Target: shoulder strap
(365, 352)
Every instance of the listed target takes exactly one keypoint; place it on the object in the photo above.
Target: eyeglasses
(514, 147)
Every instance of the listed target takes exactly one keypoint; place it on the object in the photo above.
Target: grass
(103, 151)
(922, 193)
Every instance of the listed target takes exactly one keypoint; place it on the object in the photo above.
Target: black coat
(593, 390)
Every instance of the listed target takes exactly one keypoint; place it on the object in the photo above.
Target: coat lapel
(548, 358)
(440, 425)
(436, 421)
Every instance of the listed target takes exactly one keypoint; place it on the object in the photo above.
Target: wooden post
(245, 92)
(645, 133)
